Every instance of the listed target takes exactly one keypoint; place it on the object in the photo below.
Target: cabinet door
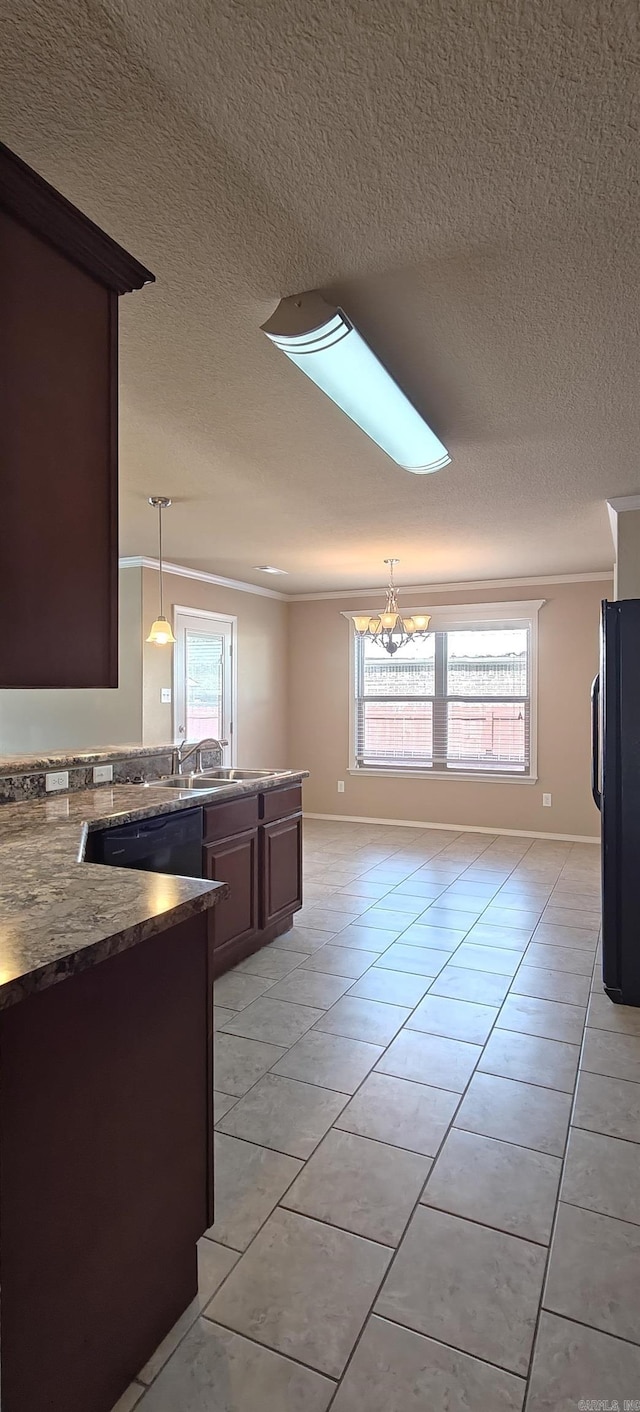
(60, 278)
(58, 409)
(281, 868)
(234, 861)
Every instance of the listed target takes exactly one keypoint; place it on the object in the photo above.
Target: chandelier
(391, 629)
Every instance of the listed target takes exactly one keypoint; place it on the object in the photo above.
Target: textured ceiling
(463, 177)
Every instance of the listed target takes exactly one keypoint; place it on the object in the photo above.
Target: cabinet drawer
(224, 819)
(280, 802)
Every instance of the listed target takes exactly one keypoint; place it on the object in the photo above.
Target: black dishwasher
(169, 843)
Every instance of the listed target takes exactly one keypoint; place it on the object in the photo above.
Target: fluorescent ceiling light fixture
(269, 569)
(322, 341)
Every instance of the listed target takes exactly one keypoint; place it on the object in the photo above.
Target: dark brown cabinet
(254, 844)
(281, 869)
(106, 1176)
(234, 861)
(60, 279)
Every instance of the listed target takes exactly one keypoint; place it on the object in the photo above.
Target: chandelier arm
(400, 630)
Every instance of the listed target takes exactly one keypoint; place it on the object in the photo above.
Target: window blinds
(459, 700)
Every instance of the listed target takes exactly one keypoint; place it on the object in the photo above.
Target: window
(460, 702)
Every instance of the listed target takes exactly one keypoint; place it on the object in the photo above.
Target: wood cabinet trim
(31, 200)
(113, 646)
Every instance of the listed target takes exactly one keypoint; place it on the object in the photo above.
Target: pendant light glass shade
(390, 629)
(161, 632)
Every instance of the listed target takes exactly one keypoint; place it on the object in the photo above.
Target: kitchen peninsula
(106, 1177)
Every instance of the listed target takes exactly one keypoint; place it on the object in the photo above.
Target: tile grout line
(448, 960)
(541, 1305)
(412, 1212)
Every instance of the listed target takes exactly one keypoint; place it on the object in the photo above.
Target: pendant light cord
(160, 555)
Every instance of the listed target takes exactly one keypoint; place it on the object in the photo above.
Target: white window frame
(519, 614)
(180, 610)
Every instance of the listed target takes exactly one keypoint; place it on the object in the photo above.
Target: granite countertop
(67, 759)
(58, 914)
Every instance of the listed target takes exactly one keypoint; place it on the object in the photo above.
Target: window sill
(478, 778)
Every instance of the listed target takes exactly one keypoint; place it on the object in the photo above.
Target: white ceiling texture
(462, 175)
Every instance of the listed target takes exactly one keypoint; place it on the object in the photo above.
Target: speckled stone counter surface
(23, 777)
(66, 759)
(59, 915)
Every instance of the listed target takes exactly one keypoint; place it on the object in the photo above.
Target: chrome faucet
(180, 755)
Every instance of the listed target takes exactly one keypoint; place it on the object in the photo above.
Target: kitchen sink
(184, 782)
(222, 773)
(213, 779)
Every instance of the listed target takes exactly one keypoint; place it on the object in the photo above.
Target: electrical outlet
(58, 779)
(102, 774)
(340, 786)
(165, 695)
(546, 800)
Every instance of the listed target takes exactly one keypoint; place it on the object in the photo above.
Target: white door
(204, 687)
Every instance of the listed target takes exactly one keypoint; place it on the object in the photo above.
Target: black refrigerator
(615, 782)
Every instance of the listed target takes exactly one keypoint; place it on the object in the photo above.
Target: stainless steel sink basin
(213, 779)
(227, 774)
(184, 782)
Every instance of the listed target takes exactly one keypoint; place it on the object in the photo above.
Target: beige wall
(627, 575)
(262, 663)
(58, 720)
(568, 657)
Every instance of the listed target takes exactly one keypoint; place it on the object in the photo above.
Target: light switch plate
(165, 695)
(102, 774)
(546, 800)
(56, 779)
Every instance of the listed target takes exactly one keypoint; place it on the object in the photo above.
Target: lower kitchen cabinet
(234, 861)
(106, 1181)
(281, 869)
(254, 844)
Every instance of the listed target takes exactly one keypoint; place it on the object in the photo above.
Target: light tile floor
(428, 1169)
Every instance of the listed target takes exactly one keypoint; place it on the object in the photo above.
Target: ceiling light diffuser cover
(323, 343)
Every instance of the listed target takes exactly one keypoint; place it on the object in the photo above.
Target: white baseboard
(458, 828)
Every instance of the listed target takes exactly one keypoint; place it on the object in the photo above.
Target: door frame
(188, 612)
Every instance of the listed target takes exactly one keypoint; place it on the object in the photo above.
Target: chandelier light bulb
(390, 629)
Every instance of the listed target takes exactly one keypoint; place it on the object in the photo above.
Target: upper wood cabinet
(60, 279)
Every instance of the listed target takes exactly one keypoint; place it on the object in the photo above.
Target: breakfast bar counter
(106, 1113)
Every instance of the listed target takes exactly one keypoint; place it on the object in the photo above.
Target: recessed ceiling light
(269, 569)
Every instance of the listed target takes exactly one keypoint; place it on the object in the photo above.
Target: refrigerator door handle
(595, 743)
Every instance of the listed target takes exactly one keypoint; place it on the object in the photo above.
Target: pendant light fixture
(390, 629)
(160, 630)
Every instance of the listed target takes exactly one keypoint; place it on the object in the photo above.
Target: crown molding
(138, 561)
(523, 608)
(624, 502)
(35, 203)
(616, 507)
(180, 571)
(598, 576)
